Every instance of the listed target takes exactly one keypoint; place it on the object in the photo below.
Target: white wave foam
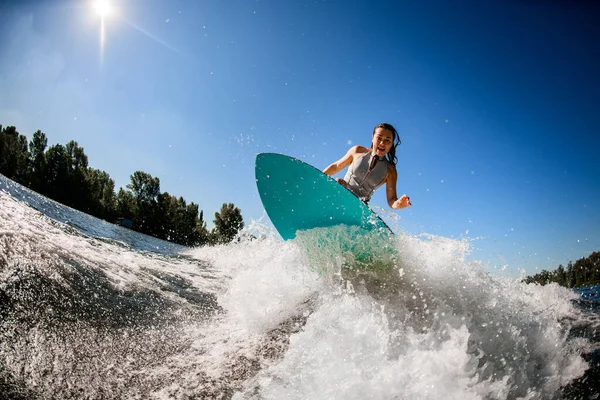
(431, 326)
(399, 317)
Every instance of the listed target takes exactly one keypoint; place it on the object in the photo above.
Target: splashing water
(397, 317)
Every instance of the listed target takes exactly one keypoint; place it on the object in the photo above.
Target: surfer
(370, 168)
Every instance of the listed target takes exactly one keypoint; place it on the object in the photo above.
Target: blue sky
(496, 103)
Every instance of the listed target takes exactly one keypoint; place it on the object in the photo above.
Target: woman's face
(383, 140)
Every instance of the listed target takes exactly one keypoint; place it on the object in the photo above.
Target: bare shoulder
(358, 150)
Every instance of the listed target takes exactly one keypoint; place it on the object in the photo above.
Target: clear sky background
(497, 103)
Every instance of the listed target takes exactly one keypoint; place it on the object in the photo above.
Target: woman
(371, 168)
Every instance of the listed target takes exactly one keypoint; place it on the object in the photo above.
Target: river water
(95, 311)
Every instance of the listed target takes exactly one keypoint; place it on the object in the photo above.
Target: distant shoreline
(584, 272)
(62, 173)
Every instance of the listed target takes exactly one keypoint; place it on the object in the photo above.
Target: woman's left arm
(390, 190)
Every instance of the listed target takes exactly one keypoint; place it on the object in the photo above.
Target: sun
(102, 7)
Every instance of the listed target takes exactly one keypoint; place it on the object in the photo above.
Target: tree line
(62, 173)
(584, 272)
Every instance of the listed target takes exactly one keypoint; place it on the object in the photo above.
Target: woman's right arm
(341, 163)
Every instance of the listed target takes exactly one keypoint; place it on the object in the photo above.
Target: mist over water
(86, 313)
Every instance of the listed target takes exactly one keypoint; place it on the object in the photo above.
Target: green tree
(204, 236)
(145, 190)
(584, 272)
(180, 222)
(570, 275)
(14, 155)
(125, 204)
(57, 174)
(101, 200)
(77, 157)
(144, 186)
(166, 208)
(37, 161)
(79, 191)
(190, 219)
(560, 276)
(228, 223)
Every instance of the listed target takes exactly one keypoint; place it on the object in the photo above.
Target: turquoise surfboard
(298, 196)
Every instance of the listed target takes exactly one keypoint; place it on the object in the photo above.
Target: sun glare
(102, 7)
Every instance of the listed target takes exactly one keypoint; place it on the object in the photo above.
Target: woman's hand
(342, 182)
(402, 202)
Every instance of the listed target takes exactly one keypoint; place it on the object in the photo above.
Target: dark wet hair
(391, 155)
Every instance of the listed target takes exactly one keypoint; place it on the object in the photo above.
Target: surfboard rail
(298, 196)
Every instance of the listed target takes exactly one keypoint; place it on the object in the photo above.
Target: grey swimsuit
(362, 181)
